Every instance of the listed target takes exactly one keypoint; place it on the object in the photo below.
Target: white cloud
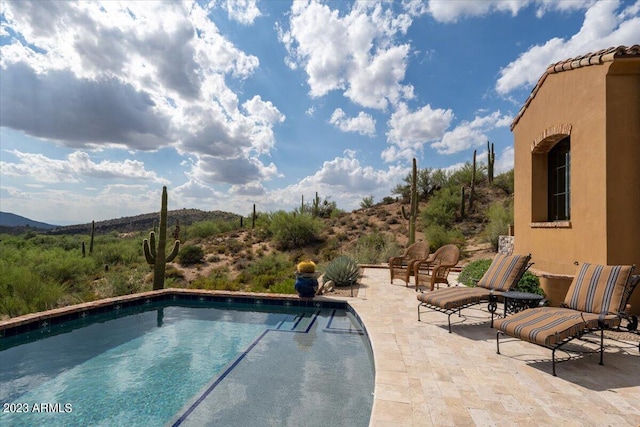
(604, 26)
(343, 180)
(410, 130)
(77, 167)
(134, 75)
(504, 162)
(470, 134)
(452, 11)
(354, 53)
(363, 123)
(243, 11)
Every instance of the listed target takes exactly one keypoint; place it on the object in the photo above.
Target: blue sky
(231, 103)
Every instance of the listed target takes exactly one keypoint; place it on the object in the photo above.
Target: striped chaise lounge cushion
(596, 295)
(501, 276)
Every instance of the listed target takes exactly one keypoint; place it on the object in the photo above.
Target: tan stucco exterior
(598, 106)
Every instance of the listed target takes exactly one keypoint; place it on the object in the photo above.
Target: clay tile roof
(594, 58)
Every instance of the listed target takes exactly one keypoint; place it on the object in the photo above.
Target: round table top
(522, 295)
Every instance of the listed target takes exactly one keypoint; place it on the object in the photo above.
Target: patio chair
(436, 269)
(402, 266)
(595, 301)
(503, 274)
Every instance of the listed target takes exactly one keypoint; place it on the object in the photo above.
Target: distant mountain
(145, 222)
(12, 220)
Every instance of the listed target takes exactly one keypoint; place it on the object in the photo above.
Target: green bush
(499, 216)
(367, 202)
(505, 181)
(441, 209)
(203, 229)
(438, 236)
(291, 231)
(375, 248)
(474, 272)
(190, 254)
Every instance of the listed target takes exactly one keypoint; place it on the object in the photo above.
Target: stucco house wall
(596, 101)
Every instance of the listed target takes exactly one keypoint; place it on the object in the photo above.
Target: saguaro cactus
(472, 193)
(93, 229)
(491, 159)
(156, 256)
(413, 209)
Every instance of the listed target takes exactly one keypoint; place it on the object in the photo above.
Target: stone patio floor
(426, 376)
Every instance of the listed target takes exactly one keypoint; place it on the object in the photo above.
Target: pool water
(191, 365)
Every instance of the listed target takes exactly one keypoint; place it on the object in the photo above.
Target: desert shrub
(366, 202)
(505, 181)
(217, 280)
(121, 251)
(375, 248)
(284, 287)
(276, 265)
(473, 271)
(499, 216)
(22, 291)
(292, 231)
(441, 209)
(387, 200)
(463, 175)
(438, 236)
(203, 229)
(190, 254)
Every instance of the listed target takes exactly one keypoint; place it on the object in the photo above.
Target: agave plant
(343, 270)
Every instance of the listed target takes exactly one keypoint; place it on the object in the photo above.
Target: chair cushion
(598, 288)
(548, 326)
(503, 272)
(452, 298)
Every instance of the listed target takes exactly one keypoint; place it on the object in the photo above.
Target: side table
(515, 301)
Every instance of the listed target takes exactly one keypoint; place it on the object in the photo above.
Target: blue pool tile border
(44, 320)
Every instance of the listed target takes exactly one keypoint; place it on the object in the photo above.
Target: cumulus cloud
(343, 180)
(363, 123)
(136, 75)
(452, 11)
(410, 130)
(604, 25)
(470, 134)
(243, 11)
(353, 52)
(504, 161)
(238, 171)
(76, 167)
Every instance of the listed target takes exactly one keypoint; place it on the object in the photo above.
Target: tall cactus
(413, 209)
(472, 193)
(156, 256)
(93, 229)
(491, 159)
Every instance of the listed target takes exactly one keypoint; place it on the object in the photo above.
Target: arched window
(559, 182)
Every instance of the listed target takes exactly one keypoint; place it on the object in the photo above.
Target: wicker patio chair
(436, 270)
(503, 274)
(595, 301)
(401, 267)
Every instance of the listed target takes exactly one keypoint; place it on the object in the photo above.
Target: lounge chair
(595, 301)
(503, 274)
(436, 270)
(402, 266)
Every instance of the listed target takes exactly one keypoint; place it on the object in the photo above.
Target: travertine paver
(428, 377)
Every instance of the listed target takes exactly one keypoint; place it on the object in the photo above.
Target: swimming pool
(191, 363)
